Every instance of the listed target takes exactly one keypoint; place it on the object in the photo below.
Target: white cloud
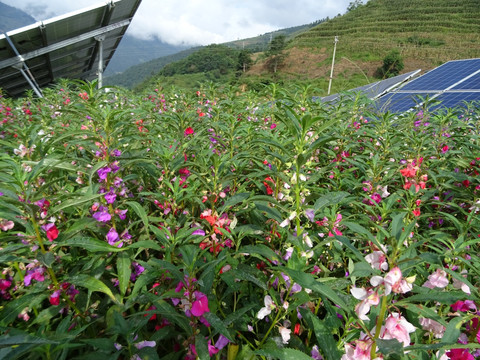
(202, 22)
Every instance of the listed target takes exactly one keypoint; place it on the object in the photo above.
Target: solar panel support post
(333, 64)
(26, 73)
(100, 59)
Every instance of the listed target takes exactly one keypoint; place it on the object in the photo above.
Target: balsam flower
(200, 305)
(51, 230)
(397, 327)
(437, 279)
(369, 297)
(267, 309)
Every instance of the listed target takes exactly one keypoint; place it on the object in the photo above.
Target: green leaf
(308, 281)
(330, 199)
(452, 332)
(140, 211)
(391, 348)
(245, 272)
(91, 244)
(284, 353)
(218, 325)
(73, 203)
(124, 271)
(201, 347)
(14, 307)
(260, 249)
(234, 200)
(7, 340)
(271, 212)
(92, 284)
(397, 225)
(324, 335)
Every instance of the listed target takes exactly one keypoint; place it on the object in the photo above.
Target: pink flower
(368, 297)
(51, 230)
(397, 327)
(433, 326)
(200, 305)
(361, 351)
(437, 279)
(393, 281)
(6, 224)
(378, 260)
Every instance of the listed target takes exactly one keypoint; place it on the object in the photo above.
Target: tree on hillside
(392, 65)
(354, 4)
(244, 60)
(275, 52)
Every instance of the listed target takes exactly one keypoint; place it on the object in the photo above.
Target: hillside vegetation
(426, 33)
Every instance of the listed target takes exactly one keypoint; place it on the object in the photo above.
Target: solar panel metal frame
(79, 45)
(460, 80)
(375, 89)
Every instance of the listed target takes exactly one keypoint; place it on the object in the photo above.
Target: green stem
(378, 327)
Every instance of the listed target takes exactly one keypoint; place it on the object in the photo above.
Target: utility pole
(333, 64)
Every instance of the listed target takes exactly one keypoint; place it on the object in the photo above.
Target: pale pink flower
(285, 333)
(368, 297)
(6, 224)
(458, 284)
(267, 309)
(361, 351)
(432, 326)
(378, 260)
(393, 281)
(397, 327)
(437, 279)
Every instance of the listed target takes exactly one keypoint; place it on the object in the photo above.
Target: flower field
(228, 225)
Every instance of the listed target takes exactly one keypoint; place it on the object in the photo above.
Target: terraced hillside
(425, 32)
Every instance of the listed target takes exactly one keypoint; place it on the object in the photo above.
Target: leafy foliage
(182, 224)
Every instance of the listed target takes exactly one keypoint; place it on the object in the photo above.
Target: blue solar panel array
(373, 90)
(452, 83)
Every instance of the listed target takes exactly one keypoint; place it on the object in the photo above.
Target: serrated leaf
(452, 332)
(140, 211)
(73, 203)
(91, 244)
(124, 271)
(262, 250)
(14, 307)
(248, 273)
(324, 336)
(284, 354)
(218, 325)
(92, 284)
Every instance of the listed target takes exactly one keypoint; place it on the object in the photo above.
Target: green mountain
(140, 73)
(426, 33)
(12, 18)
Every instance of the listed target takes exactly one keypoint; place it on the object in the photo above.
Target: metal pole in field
(333, 64)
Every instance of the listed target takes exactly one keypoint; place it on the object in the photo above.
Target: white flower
(267, 309)
(285, 333)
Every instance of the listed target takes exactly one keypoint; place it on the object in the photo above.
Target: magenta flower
(103, 172)
(110, 196)
(113, 237)
(102, 214)
(199, 232)
(34, 274)
(122, 214)
(116, 153)
(200, 305)
(459, 354)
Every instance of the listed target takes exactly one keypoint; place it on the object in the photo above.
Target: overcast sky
(201, 22)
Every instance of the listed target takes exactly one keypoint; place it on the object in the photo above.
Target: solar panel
(452, 83)
(375, 89)
(444, 76)
(68, 46)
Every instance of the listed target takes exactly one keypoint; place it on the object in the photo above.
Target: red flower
(416, 212)
(52, 231)
(55, 297)
(188, 131)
